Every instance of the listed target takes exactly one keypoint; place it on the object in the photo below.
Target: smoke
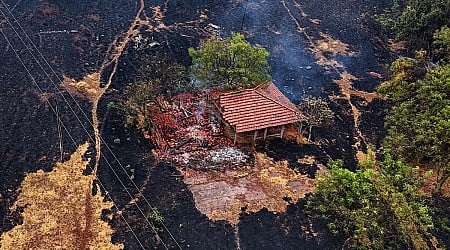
(199, 112)
(267, 23)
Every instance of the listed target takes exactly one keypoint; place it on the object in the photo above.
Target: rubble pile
(231, 155)
(188, 133)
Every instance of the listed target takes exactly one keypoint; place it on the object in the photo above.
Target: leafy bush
(378, 206)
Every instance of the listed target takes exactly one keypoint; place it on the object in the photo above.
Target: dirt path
(112, 58)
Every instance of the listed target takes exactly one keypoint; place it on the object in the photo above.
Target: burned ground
(162, 186)
(291, 151)
(290, 230)
(372, 119)
(29, 135)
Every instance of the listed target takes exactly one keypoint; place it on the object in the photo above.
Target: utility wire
(33, 80)
(102, 140)
(58, 124)
(152, 226)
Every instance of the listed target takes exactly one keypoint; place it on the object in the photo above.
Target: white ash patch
(227, 154)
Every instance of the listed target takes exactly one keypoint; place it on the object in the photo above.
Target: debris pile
(217, 159)
(188, 132)
(234, 156)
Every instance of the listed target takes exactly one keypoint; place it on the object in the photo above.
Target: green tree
(231, 62)
(376, 207)
(442, 43)
(419, 121)
(173, 77)
(317, 112)
(416, 20)
(404, 72)
(156, 76)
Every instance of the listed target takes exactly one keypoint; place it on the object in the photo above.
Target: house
(256, 113)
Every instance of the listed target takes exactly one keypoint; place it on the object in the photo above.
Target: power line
(101, 138)
(84, 128)
(152, 226)
(62, 125)
(61, 146)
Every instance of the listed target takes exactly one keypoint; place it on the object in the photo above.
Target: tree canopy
(231, 62)
(419, 121)
(416, 20)
(442, 44)
(156, 76)
(376, 207)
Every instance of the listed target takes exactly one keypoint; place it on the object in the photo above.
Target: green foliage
(378, 206)
(442, 43)
(404, 74)
(173, 77)
(134, 102)
(441, 220)
(111, 105)
(157, 76)
(416, 20)
(231, 62)
(157, 218)
(419, 121)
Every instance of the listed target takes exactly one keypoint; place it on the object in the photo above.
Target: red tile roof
(258, 108)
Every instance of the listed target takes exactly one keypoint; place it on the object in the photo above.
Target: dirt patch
(224, 195)
(345, 83)
(87, 88)
(428, 188)
(58, 215)
(327, 45)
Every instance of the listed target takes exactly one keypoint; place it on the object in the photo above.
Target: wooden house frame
(256, 113)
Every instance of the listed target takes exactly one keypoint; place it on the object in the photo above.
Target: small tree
(156, 76)
(173, 77)
(317, 112)
(134, 102)
(232, 62)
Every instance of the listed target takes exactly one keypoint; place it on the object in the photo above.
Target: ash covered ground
(74, 38)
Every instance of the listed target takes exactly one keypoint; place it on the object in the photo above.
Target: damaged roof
(258, 108)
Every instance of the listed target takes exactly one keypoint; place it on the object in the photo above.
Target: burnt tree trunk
(440, 182)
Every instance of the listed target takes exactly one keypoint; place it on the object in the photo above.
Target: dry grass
(323, 48)
(86, 88)
(59, 210)
(346, 82)
(396, 46)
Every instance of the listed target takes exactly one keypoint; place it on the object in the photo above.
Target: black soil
(164, 190)
(290, 230)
